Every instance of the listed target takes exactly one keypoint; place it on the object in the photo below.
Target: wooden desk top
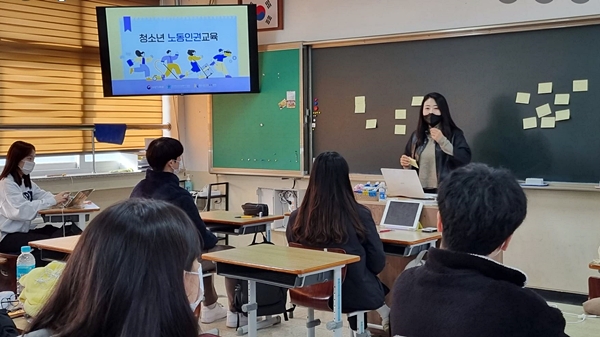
(88, 208)
(229, 218)
(594, 265)
(401, 237)
(282, 259)
(63, 245)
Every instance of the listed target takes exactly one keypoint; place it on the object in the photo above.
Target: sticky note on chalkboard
(563, 115)
(400, 114)
(580, 85)
(543, 110)
(523, 97)
(360, 105)
(400, 129)
(371, 124)
(548, 123)
(417, 100)
(561, 99)
(545, 88)
(529, 123)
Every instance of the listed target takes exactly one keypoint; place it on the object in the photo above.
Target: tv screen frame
(105, 62)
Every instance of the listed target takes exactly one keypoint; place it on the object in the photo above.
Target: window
(50, 75)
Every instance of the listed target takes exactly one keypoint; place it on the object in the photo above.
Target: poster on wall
(269, 13)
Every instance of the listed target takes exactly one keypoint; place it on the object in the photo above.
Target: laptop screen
(402, 214)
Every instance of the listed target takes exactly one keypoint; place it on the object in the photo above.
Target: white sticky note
(371, 124)
(543, 110)
(290, 95)
(580, 85)
(400, 129)
(529, 123)
(545, 88)
(400, 113)
(414, 163)
(523, 97)
(417, 100)
(359, 104)
(563, 115)
(548, 123)
(562, 99)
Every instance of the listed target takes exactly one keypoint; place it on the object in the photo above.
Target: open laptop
(402, 214)
(77, 200)
(404, 183)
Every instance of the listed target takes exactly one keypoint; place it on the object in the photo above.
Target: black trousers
(12, 243)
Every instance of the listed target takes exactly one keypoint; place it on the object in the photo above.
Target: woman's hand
(437, 135)
(62, 197)
(405, 161)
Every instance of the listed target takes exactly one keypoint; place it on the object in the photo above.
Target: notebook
(77, 200)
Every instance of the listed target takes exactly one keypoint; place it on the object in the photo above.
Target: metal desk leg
(251, 308)
(81, 221)
(337, 323)
(268, 231)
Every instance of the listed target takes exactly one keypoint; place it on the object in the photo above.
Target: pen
(385, 230)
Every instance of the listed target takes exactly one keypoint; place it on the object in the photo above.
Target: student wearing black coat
(461, 291)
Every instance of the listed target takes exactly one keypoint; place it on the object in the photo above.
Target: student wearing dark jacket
(438, 146)
(162, 183)
(461, 291)
(330, 217)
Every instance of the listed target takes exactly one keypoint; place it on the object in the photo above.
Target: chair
(212, 332)
(8, 272)
(316, 297)
(594, 287)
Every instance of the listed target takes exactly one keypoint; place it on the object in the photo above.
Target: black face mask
(432, 119)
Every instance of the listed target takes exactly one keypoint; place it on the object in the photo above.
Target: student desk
(78, 216)
(231, 223)
(50, 247)
(594, 282)
(284, 267)
(406, 243)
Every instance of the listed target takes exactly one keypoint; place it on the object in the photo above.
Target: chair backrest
(315, 296)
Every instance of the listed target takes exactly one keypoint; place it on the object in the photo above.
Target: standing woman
(438, 146)
(21, 200)
(330, 217)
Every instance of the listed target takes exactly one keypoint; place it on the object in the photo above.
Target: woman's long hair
(329, 204)
(447, 125)
(125, 276)
(17, 152)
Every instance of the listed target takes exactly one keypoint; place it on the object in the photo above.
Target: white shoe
(235, 319)
(208, 315)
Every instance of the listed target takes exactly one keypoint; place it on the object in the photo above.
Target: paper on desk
(400, 130)
(400, 114)
(371, 124)
(360, 105)
(523, 97)
(413, 163)
(529, 123)
(561, 99)
(417, 100)
(548, 123)
(545, 88)
(543, 110)
(580, 85)
(563, 115)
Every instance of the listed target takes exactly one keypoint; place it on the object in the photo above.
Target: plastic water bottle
(382, 193)
(188, 184)
(25, 263)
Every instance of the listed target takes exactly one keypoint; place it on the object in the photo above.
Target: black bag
(271, 300)
(255, 209)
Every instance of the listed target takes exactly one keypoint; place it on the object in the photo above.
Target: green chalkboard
(250, 132)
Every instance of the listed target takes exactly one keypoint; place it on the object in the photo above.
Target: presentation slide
(175, 50)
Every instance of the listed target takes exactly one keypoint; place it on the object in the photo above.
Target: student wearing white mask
(21, 200)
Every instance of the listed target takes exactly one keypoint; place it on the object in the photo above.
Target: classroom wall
(560, 235)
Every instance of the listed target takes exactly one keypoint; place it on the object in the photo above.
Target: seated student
(21, 200)
(162, 183)
(134, 272)
(461, 291)
(330, 217)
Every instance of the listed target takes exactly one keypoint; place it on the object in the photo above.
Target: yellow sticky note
(371, 124)
(529, 123)
(400, 130)
(545, 88)
(400, 113)
(413, 163)
(543, 110)
(359, 104)
(580, 85)
(417, 100)
(561, 99)
(523, 97)
(548, 123)
(563, 115)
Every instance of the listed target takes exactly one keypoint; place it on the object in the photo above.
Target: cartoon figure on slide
(172, 68)
(204, 70)
(218, 62)
(143, 67)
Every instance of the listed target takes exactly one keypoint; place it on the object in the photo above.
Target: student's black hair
(139, 53)
(17, 152)
(169, 51)
(161, 151)
(191, 52)
(480, 207)
(125, 277)
(447, 125)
